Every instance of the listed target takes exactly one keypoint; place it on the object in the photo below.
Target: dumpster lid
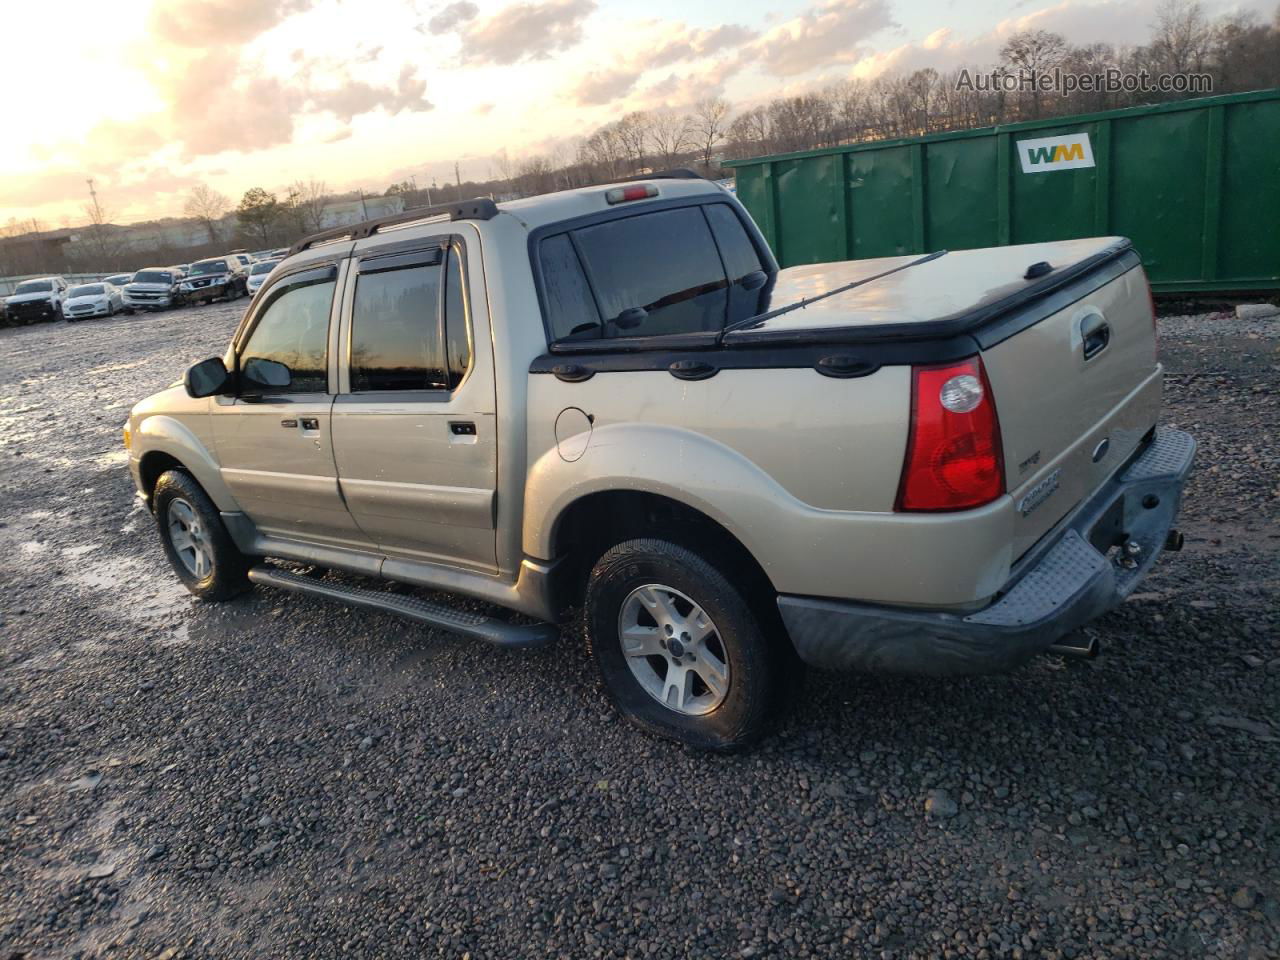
(907, 297)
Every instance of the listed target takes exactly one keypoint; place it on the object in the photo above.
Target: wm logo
(1055, 153)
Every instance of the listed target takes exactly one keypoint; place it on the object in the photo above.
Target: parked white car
(258, 274)
(87, 300)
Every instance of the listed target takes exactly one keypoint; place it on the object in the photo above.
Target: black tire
(228, 571)
(760, 665)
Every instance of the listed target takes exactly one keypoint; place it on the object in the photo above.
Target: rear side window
(410, 326)
(397, 340)
(457, 319)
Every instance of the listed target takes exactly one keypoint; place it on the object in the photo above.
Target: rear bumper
(1072, 576)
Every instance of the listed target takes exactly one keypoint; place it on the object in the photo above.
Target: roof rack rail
(480, 208)
(679, 173)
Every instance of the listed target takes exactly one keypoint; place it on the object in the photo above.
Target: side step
(489, 629)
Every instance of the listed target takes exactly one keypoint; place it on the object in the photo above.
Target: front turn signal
(128, 439)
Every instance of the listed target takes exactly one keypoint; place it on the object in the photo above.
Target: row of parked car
(49, 299)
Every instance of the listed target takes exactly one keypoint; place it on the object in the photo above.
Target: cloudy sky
(150, 97)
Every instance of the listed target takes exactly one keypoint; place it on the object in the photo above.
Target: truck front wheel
(195, 540)
(680, 652)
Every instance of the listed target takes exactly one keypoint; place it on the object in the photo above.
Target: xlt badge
(1038, 494)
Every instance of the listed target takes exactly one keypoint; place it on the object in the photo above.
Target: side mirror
(266, 374)
(206, 378)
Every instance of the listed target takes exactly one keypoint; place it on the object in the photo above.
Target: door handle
(462, 428)
(1095, 337)
(289, 424)
(310, 423)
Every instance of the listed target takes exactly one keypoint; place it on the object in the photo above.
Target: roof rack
(480, 208)
(679, 173)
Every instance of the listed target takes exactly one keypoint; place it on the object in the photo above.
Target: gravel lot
(278, 776)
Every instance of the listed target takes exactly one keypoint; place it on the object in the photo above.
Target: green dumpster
(1194, 184)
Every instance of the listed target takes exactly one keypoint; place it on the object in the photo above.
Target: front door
(414, 423)
(273, 438)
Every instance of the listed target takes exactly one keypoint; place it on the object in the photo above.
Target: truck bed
(912, 297)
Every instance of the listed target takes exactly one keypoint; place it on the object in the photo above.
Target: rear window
(654, 274)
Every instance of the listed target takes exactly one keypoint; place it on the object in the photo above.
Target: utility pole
(457, 177)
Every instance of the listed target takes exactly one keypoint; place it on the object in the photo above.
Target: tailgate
(1075, 393)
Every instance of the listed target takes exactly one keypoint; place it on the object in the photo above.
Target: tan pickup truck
(611, 399)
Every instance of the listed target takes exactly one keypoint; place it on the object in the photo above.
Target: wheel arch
(169, 444)
(588, 526)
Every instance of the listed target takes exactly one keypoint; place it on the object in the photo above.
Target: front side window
(293, 330)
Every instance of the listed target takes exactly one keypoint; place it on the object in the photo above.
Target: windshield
(208, 266)
(34, 286)
(265, 267)
(88, 290)
(152, 276)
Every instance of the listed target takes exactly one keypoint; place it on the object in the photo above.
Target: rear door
(273, 442)
(415, 430)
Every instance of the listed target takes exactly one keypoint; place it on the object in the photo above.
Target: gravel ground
(278, 776)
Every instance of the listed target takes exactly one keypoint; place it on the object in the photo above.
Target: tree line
(1236, 52)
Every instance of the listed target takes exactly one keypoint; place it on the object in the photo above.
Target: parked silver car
(153, 288)
(611, 399)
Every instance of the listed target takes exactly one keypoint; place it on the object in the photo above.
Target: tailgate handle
(1095, 333)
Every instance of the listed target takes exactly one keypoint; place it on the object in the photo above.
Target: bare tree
(709, 124)
(309, 198)
(750, 132)
(633, 134)
(1183, 37)
(106, 247)
(1034, 53)
(669, 134)
(208, 206)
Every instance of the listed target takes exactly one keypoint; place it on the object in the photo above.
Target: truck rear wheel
(680, 652)
(195, 540)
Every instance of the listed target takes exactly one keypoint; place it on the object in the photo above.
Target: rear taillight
(954, 461)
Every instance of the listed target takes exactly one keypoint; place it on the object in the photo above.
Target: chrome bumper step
(477, 625)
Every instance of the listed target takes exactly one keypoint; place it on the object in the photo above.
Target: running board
(489, 629)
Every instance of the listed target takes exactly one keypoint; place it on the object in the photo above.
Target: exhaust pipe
(1084, 651)
(1173, 542)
